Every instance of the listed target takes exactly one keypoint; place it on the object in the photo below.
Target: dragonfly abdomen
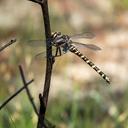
(74, 50)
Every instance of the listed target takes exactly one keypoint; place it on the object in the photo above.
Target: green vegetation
(91, 111)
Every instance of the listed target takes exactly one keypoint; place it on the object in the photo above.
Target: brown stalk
(27, 89)
(15, 94)
(49, 63)
(7, 44)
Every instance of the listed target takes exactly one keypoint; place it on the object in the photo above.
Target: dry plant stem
(7, 44)
(15, 94)
(37, 1)
(49, 64)
(27, 90)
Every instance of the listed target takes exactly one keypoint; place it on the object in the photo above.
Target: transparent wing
(87, 35)
(38, 63)
(42, 55)
(89, 46)
(35, 43)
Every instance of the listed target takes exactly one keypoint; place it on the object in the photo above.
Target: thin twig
(47, 123)
(49, 64)
(15, 94)
(37, 1)
(27, 90)
(7, 44)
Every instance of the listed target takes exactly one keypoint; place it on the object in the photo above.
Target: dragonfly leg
(57, 49)
(58, 52)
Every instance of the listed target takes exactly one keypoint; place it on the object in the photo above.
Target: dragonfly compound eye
(54, 35)
(59, 33)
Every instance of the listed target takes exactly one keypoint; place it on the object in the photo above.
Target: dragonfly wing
(39, 56)
(42, 55)
(90, 46)
(88, 35)
(36, 43)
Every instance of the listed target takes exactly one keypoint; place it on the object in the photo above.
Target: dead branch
(15, 94)
(27, 90)
(49, 64)
(37, 1)
(7, 44)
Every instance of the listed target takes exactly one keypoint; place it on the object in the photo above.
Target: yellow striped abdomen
(73, 49)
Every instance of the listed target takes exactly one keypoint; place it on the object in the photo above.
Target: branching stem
(49, 63)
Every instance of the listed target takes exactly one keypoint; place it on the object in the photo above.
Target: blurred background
(79, 97)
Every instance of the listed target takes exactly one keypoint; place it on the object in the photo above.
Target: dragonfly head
(58, 39)
(55, 34)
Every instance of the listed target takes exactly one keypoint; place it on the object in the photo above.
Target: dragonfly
(65, 43)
